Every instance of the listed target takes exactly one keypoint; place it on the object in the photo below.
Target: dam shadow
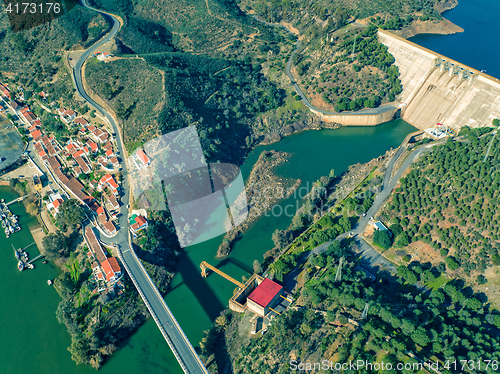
(197, 285)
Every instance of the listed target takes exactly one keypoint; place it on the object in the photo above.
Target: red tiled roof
(265, 292)
(140, 220)
(94, 245)
(30, 117)
(110, 267)
(144, 158)
(81, 121)
(110, 227)
(36, 134)
(109, 152)
(57, 202)
(100, 210)
(92, 145)
(81, 162)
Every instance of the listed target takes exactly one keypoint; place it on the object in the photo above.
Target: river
(477, 47)
(36, 342)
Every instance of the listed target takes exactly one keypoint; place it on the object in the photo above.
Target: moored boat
(20, 265)
(17, 254)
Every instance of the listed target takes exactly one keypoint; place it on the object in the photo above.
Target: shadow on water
(191, 276)
(236, 262)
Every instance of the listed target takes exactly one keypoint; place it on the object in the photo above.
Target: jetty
(18, 199)
(36, 258)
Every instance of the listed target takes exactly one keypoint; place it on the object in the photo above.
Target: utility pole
(365, 311)
(338, 276)
(353, 47)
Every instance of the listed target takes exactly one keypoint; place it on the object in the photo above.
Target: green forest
(221, 97)
(439, 204)
(447, 324)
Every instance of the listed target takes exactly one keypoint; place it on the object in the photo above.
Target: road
(381, 109)
(369, 256)
(171, 330)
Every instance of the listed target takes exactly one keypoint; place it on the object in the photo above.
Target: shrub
(382, 239)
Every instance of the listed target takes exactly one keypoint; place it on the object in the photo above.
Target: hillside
(326, 323)
(440, 219)
(165, 92)
(33, 57)
(213, 27)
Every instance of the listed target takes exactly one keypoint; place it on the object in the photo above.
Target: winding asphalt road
(369, 256)
(381, 109)
(171, 330)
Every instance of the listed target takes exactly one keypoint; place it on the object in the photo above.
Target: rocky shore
(444, 26)
(264, 189)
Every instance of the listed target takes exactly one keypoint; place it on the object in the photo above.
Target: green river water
(32, 341)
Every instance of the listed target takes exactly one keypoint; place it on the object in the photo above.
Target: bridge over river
(171, 330)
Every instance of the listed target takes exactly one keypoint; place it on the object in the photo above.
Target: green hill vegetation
(213, 27)
(447, 324)
(165, 92)
(353, 70)
(32, 58)
(447, 204)
(335, 71)
(302, 13)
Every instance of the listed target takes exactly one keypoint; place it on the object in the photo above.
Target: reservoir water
(477, 47)
(32, 339)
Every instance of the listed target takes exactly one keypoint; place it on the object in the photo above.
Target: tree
(257, 268)
(382, 238)
(402, 239)
(345, 223)
(71, 214)
(56, 246)
(451, 263)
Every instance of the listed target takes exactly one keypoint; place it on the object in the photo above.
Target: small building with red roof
(111, 269)
(265, 296)
(37, 135)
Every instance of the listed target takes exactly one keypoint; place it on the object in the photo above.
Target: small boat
(17, 254)
(20, 265)
(11, 229)
(44, 262)
(49, 282)
(31, 266)
(4, 224)
(7, 232)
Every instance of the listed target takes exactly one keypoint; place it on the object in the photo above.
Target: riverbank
(264, 189)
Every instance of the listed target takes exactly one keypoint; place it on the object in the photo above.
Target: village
(84, 167)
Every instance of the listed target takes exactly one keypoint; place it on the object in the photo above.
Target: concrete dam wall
(437, 89)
